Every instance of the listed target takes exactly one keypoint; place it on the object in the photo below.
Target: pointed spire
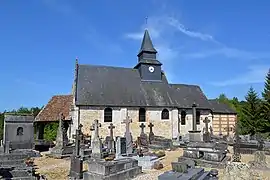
(147, 45)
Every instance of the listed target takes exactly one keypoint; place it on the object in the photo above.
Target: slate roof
(218, 107)
(147, 44)
(57, 104)
(118, 86)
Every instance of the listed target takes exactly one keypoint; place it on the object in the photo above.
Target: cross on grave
(127, 121)
(128, 136)
(78, 138)
(206, 121)
(110, 144)
(151, 134)
(206, 135)
(151, 127)
(95, 126)
(142, 126)
(236, 146)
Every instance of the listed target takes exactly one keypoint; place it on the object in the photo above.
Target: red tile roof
(58, 104)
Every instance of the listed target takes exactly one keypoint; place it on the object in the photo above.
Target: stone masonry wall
(167, 128)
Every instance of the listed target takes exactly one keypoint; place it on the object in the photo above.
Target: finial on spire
(146, 19)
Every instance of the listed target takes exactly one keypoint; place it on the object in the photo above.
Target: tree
(266, 102)
(50, 131)
(252, 121)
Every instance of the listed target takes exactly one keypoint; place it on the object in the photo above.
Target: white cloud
(229, 53)
(180, 27)
(255, 74)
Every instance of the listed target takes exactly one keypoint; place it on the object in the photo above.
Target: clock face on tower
(151, 69)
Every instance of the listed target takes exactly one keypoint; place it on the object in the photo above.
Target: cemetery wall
(222, 121)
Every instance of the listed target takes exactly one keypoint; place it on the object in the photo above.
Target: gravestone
(61, 148)
(206, 135)
(76, 162)
(18, 131)
(128, 136)
(96, 144)
(143, 137)
(121, 147)
(151, 133)
(186, 171)
(111, 147)
(236, 157)
(194, 134)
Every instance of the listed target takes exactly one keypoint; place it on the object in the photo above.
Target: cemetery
(131, 123)
(125, 157)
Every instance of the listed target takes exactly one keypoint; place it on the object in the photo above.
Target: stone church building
(142, 93)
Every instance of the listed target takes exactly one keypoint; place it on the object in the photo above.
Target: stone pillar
(194, 134)
(175, 124)
(194, 125)
(40, 130)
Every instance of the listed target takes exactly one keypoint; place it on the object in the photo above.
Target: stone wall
(189, 120)
(221, 123)
(162, 127)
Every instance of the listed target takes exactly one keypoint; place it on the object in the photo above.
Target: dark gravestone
(128, 136)
(123, 144)
(19, 131)
(151, 133)
(143, 137)
(76, 165)
(206, 135)
(110, 139)
(236, 157)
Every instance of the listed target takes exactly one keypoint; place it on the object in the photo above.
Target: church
(142, 93)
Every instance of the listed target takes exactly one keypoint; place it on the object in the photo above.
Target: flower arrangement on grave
(29, 161)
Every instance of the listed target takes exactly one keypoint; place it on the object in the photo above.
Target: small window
(198, 116)
(142, 115)
(183, 117)
(19, 131)
(108, 115)
(165, 114)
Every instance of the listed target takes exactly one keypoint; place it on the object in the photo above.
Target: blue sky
(223, 46)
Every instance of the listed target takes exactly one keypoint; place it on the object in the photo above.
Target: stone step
(204, 176)
(11, 156)
(16, 173)
(13, 163)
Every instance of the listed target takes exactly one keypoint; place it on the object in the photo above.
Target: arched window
(165, 114)
(108, 115)
(142, 115)
(198, 116)
(183, 117)
(19, 131)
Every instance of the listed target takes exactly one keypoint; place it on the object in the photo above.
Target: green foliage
(252, 117)
(266, 102)
(50, 131)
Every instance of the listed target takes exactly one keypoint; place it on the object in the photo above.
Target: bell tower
(148, 66)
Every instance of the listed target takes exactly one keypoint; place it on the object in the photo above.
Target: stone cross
(142, 126)
(236, 157)
(206, 121)
(128, 136)
(211, 130)
(95, 127)
(110, 144)
(78, 141)
(151, 133)
(127, 121)
(61, 138)
(95, 141)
